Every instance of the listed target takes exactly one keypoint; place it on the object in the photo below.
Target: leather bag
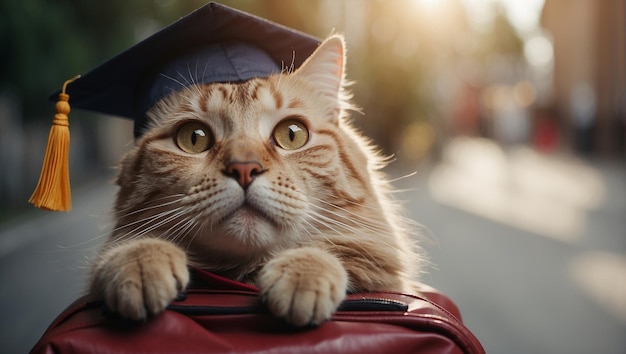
(227, 317)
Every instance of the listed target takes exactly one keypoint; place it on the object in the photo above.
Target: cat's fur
(316, 222)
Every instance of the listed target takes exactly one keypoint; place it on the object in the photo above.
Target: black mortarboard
(212, 44)
(215, 43)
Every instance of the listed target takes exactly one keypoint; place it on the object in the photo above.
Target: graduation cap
(215, 43)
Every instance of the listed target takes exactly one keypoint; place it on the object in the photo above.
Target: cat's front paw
(140, 278)
(305, 286)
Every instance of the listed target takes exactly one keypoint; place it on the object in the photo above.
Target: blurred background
(511, 112)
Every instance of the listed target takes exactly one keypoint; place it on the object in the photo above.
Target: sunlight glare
(430, 5)
(538, 51)
(602, 276)
(429, 2)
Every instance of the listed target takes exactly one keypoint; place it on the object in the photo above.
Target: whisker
(91, 240)
(404, 223)
(347, 201)
(199, 231)
(357, 229)
(362, 219)
(182, 227)
(145, 224)
(405, 190)
(409, 175)
(363, 249)
(150, 207)
(195, 80)
(145, 219)
(164, 221)
(182, 84)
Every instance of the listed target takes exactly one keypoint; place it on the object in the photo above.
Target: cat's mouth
(248, 214)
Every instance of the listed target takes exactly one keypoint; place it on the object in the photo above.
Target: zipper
(353, 305)
(201, 310)
(373, 304)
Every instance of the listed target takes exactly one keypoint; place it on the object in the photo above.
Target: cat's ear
(325, 67)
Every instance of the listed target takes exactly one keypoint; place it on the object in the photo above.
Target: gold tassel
(53, 189)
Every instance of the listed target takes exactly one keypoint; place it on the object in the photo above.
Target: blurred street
(43, 264)
(536, 263)
(532, 248)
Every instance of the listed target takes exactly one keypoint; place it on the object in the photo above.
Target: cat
(264, 182)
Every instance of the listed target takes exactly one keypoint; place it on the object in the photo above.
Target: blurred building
(589, 40)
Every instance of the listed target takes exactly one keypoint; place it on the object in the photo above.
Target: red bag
(232, 320)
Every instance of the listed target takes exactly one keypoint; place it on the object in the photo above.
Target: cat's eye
(291, 134)
(194, 138)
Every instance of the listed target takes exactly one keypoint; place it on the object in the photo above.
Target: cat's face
(235, 171)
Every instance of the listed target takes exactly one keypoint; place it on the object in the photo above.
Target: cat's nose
(244, 172)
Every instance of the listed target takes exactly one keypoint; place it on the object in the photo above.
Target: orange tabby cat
(263, 182)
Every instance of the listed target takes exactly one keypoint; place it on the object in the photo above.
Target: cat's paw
(304, 286)
(140, 278)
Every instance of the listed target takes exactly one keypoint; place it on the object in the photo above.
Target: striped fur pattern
(309, 224)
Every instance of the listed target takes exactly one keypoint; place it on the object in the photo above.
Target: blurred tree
(405, 51)
(45, 43)
(500, 38)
